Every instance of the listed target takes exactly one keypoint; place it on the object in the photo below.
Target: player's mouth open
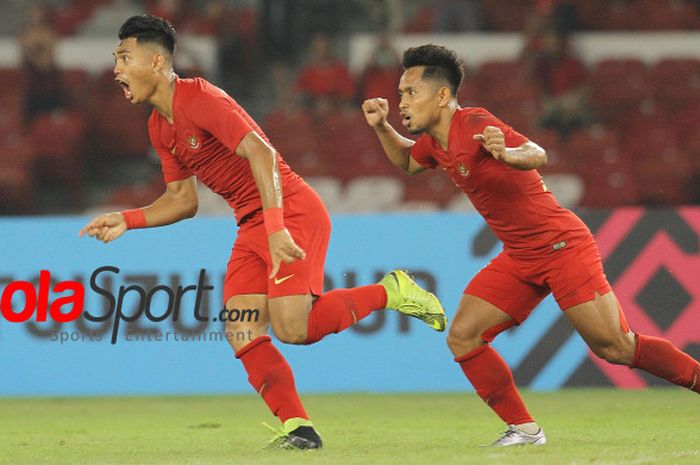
(125, 87)
(405, 119)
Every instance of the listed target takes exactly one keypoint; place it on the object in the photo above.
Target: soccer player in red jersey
(546, 247)
(277, 261)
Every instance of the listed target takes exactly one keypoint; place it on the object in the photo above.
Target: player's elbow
(191, 208)
(542, 160)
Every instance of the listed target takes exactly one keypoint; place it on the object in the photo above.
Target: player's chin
(415, 130)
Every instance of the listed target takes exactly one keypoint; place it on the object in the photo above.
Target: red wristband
(274, 220)
(134, 218)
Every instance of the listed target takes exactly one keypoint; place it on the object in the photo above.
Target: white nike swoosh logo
(281, 280)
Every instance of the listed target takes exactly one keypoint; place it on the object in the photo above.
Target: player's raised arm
(263, 164)
(177, 203)
(396, 147)
(527, 156)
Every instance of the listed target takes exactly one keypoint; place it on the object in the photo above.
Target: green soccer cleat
(404, 295)
(296, 434)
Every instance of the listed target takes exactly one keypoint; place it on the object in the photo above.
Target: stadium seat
(77, 87)
(330, 190)
(666, 15)
(619, 86)
(430, 185)
(676, 83)
(350, 147)
(295, 136)
(568, 188)
(59, 139)
(117, 128)
(17, 176)
(417, 206)
(514, 20)
(12, 81)
(373, 194)
(11, 113)
(603, 167)
(460, 203)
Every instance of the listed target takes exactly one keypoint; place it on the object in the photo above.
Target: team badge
(194, 142)
(463, 170)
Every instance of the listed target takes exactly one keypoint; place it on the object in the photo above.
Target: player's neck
(441, 129)
(162, 98)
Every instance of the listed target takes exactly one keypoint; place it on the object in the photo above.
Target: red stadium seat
(77, 87)
(676, 83)
(12, 81)
(666, 15)
(11, 113)
(604, 168)
(295, 136)
(619, 86)
(506, 15)
(17, 176)
(351, 148)
(117, 128)
(59, 139)
(432, 186)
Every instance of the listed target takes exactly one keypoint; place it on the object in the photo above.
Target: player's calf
(246, 318)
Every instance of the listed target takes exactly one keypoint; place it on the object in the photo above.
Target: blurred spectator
(381, 76)
(280, 32)
(561, 82)
(325, 82)
(43, 79)
(562, 14)
(458, 16)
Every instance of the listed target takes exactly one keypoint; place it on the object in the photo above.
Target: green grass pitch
(584, 427)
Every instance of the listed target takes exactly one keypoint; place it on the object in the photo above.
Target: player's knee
(289, 328)
(291, 335)
(463, 340)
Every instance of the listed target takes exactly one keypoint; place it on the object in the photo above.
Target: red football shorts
(516, 285)
(307, 220)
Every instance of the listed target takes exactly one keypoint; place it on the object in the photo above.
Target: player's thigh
(503, 285)
(601, 323)
(247, 317)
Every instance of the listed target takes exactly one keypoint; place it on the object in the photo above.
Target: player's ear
(444, 96)
(159, 62)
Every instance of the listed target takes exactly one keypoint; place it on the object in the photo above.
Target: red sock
(661, 358)
(493, 381)
(336, 310)
(272, 378)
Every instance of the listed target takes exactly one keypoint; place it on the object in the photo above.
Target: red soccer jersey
(208, 126)
(516, 204)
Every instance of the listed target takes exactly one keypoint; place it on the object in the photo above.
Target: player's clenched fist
(105, 228)
(494, 141)
(376, 111)
(283, 249)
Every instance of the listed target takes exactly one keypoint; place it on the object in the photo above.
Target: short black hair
(149, 28)
(440, 63)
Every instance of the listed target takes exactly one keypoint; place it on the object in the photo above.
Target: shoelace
(280, 435)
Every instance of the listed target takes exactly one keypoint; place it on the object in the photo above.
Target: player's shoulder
(474, 114)
(198, 91)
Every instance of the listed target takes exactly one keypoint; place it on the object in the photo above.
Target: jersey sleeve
(172, 169)
(215, 112)
(421, 152)
(478, 122)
